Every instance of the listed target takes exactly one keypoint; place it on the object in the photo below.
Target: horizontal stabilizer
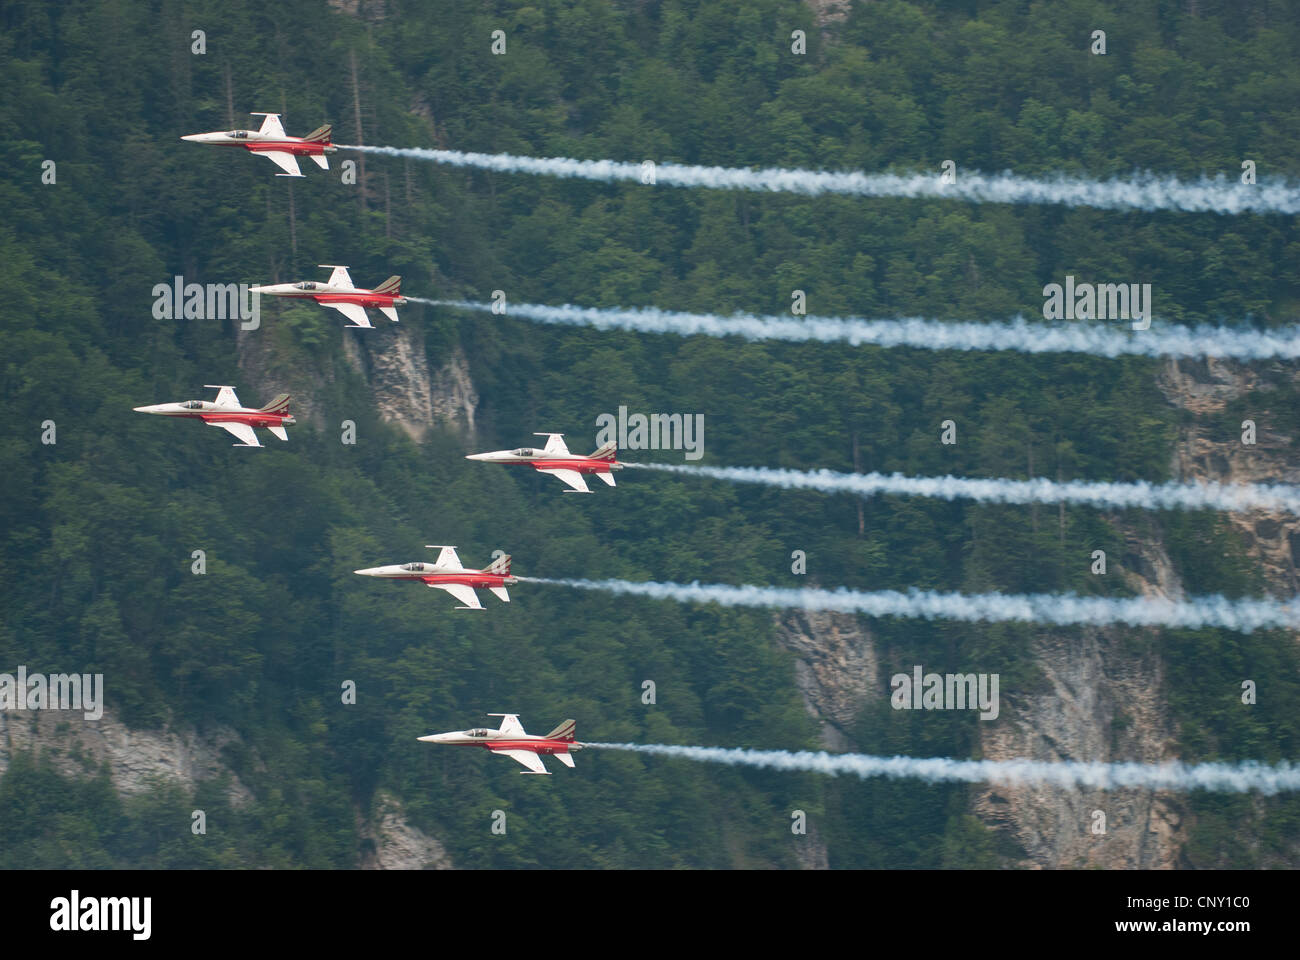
(564, 758)
(279, 431)
(606, 476)
(322, 161)
(389, 312)
(501, 593)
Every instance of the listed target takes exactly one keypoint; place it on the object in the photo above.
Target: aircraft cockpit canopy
(193, 404)
(413, 567)
(527, 452)
(477, 732)
(239, 134)
(306, 285)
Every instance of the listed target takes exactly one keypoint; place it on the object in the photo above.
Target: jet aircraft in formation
(556, 460)
(273, 143)
(447, 573)
(339, 293)
(509, 739)
(225, 412)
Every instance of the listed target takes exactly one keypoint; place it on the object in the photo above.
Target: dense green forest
(98, 528)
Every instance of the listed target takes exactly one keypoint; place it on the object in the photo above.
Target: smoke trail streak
(1145, 192)
(1235, 497)
(1018, 334)
(1220, 777)
(1061, 609)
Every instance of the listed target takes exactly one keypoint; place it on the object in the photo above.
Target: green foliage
(98, 529)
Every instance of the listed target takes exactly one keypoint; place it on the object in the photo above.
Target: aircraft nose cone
(193, 137)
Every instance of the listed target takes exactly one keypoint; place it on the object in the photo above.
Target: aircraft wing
(555, 444)
(354, 312)
(285, 161)
(226, 397)
(271, 125)
(341, 278)
(462, 592)
(448, 559)
(572, 477)
(509, 723)
(242, 432)
(529, 759)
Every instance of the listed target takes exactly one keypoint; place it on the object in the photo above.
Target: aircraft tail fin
(320, 134)
(392, 285)
(606, 451)
(279, 405)
(501, 565)
(564, 731)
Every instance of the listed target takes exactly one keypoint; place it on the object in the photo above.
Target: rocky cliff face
(138, 760)
(388, 842)
(1101, 700)
(142, 760)
(1205, 389)
(408, 388)
(1101, 703)
(410, 391)
(835, 669)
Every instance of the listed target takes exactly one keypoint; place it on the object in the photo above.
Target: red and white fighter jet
(339, 293)
(273, 143)
(225, 412)
(511, 741)
(447, 573)
(556, 460)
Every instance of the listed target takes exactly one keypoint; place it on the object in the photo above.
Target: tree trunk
(361, 139)
(230, 99)
(857, 468)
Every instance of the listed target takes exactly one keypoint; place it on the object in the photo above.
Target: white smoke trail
(1145, 192)
(1235, 497)
(1018, 334)
(1220, 777)
(1062, 609)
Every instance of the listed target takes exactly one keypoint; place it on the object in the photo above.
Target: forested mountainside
(232, 680)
